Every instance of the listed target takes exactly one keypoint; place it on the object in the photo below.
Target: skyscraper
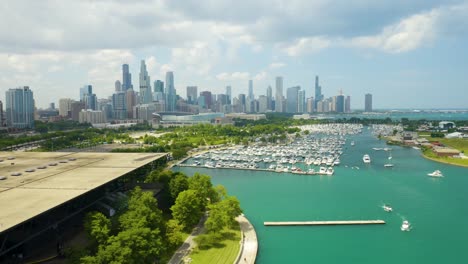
(118, 86)
(20, 107)
(301, 101)
(340, 103)
(88, 97)
(146, 95)
(318, 91)
(348, 104)
(229, 93)
(126, 78)
(170, 92)
(368, 103)
(192, 92)
(159, 86)
(207, 99)
(269, 98)
(292, 97)
(65, 107)
(119, 105)
(279, 94)
(251, 94)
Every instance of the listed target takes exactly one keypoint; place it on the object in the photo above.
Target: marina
(355, 191)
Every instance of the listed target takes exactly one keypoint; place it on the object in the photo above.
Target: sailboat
(389, 165)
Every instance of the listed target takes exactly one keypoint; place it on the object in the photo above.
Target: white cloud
(235, 76)
(276, 65)
(307, 45)
(406, 35)
(260, 76)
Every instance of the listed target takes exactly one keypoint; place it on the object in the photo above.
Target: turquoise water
(437, 208)
(399, 115)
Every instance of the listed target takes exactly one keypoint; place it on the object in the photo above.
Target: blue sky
(408, 54)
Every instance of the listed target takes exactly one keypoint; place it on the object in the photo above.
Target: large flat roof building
(56, 185)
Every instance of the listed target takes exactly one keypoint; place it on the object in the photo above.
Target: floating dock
(312, 223)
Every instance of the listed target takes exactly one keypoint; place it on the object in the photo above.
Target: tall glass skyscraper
(279, 94)
(170, 92)
(126, 78)
(146, 96)
(292, 99)
(318, 91)
(340, 103)
(368, 103)
(20, 107)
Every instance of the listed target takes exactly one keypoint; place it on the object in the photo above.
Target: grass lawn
(428, 153)
(219, 251)
(166, 257)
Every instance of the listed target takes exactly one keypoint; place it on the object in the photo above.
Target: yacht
(405, 226)
(387, 208)
(330, 171)
(352, 143)
(366, 159)
(436, 173)
(388, 165)
(322, 170)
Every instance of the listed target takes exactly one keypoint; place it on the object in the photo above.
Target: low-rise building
(445, 151)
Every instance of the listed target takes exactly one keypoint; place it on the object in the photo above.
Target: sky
(408, 54)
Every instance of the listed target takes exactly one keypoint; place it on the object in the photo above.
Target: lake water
(437, 209)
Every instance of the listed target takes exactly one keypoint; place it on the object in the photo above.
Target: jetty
(313, 223)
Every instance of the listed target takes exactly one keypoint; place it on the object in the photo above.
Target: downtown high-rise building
(301, 101)
(126, 78)
(251, 93)
(269, 98)
(292, 99)
(229, 93)
(348, 104)
(65, 107)
(170, 92)
(146, 96)
(340, 103)
(118, 86)
(19, 109)
(279, 94)
(318, 91)
(368, 103)
(88, 97)
(192, 92)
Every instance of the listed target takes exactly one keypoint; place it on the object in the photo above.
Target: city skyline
(404, 57)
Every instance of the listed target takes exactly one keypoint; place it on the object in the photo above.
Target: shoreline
(444, 162)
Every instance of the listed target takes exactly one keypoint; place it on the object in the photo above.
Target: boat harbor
(315, 152)
(315, 223)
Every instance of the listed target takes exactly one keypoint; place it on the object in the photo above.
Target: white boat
(330, 171)
(322, 170)
(405, 226)
(387, 208)
(366, 158)
(436, 173)
(352, 143)
(388, 165)
(416, 148)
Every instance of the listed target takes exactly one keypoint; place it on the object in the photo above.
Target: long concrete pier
(308, 223)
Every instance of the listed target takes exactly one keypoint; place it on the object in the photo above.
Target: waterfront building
(170, 92)
(368, 103)
(91, 116)
(229, 93)
(340, 104)
(207, 99)
(292, 95)
(192, 92)
(262, 104)
(348, 104)
(119, 105)
(269, 95)
(146, 95)
(76, 108)
(65, 107)
(130, 102)
(2, 116)
(301, 101)
(279, 94)
(126, 78)
(19, 107)
(310, 105)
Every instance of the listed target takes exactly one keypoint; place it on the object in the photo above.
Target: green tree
(188, 208)
(132, 246)
(178, 184)
(202, 185)
(142, 211)
(97, 226)
(174, 235)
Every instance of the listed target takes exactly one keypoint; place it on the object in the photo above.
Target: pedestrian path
(249, 246)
